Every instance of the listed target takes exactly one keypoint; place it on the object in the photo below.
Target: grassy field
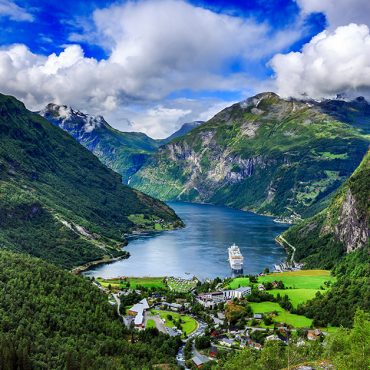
(187, 327)
(181, 285)
(147, 282)
(302, 279)
(283, 316)
(150, 324)
(296, 296)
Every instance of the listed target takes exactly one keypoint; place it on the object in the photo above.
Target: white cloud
(154, 48)
(332, 62)
(10, 9)
(161, 120)
(339, 12)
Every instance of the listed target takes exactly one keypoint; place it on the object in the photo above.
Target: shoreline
(82, 268)
(78, 270)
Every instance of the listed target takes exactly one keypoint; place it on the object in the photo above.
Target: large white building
(138, 310)
(214, 298)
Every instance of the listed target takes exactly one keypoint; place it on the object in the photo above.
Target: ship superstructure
(236, 259)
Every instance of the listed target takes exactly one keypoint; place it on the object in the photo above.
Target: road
(199, 331)
(287, 243)
(115, 296)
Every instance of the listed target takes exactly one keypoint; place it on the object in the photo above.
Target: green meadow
(121, 283)
(302, 279)
(282, 316)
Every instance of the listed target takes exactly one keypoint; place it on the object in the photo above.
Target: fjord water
(200, 248)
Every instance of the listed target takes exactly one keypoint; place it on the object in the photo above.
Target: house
(272, 337)
(258, 316)
(275, 284)
(261, 287)
(213, 351)
(227, 342)
(199, 361)
(137, 311)
(314, 334)
(256, 346)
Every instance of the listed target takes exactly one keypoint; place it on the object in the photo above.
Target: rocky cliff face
(342, 227)
(123, 152)
(352, 228)
(267, 154)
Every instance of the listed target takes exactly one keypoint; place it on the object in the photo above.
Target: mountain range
(274, 156)
(123, 152)
(58, 201)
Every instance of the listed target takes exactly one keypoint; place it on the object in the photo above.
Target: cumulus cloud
(161, 120)
(153, 47)
(10, 9)
(332, 62)
(339, 12)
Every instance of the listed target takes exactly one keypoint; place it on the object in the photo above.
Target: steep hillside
(341, 228)
(57, 201)
(51, 319)
(123, 152)
(266, 154)
(183, 130)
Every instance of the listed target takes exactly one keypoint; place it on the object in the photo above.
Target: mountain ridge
(282, 157)
(58, 201)
(123, 152)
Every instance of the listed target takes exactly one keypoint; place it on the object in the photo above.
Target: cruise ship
(236, 259)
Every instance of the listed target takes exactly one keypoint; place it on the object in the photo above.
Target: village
(215, 317)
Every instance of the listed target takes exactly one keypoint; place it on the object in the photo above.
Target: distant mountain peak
(255, 100)
(183, 130)
(64, 113)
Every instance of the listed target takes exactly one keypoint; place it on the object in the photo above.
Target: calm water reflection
(200, 248)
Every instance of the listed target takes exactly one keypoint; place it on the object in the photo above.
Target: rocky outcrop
(352, 229)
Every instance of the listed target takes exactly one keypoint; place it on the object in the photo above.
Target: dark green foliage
(351, 291)
(51, 319)
(57, 200)
(347, 349)
(202, 342)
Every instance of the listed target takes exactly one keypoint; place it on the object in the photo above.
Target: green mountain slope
(51, 319)
(266, 154)
(123, 152)
(340, 228)
(57, 201)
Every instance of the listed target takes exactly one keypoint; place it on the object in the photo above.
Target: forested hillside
(266, 154)
(51, 319)
(340, 228)
(350, 292)
(57, 201)
(338, 238)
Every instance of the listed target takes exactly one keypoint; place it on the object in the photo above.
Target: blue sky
(151, 65)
